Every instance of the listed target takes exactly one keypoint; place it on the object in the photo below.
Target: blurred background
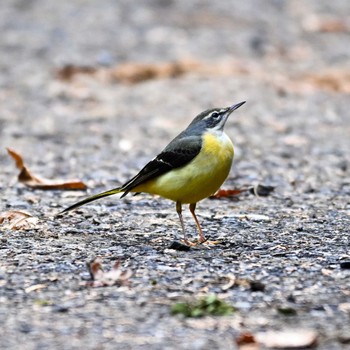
(94, 88)
(101, 84)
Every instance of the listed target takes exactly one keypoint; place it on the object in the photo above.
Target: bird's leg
(179, 212)
(201, 235)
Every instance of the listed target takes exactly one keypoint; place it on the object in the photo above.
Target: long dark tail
(93, 198)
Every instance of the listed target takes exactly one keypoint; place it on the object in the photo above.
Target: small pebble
(256, 286)
(262, 190)
(179, 246)
(345, 264)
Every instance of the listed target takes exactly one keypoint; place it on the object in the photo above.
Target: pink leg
(201, 235)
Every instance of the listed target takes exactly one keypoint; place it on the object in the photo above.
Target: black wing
(178, 153)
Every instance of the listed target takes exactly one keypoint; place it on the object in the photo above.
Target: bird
(190, 168)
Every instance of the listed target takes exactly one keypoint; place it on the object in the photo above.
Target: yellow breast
(200, 178)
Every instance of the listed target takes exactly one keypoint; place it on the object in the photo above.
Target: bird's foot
(189, 243)
(205, 241)
(201, 241)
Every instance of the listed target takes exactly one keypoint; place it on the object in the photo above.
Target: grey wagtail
(192, 167)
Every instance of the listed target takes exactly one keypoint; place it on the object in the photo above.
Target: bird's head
(213, 119)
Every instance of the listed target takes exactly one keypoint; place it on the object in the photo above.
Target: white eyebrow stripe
(216, 111)
(222, 110)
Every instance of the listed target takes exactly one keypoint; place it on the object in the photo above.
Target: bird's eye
(215, 115)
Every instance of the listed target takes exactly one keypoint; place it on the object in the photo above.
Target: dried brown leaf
(95, 268)
(336, 80)
(18, 159)
(257, 190)
(114, 277)
(68, 71)
(228, 193)
(244, 339)
(17, 220)
(326, 24)
(27, 178)
(132, 72)
(137, 72)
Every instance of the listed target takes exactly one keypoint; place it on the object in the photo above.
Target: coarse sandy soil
(94, 89)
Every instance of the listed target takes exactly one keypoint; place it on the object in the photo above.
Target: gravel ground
(282, 258)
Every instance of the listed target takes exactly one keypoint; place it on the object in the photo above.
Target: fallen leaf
(257, 190)
(228, 193)
(32, 181)
(326, 24)
(68, 71)
(133, 72)
(335, 79)
(114, 277)
(246, 338)
(289, 339)
(137, 72)
(130, 73)
(17, 220)
(221, 193)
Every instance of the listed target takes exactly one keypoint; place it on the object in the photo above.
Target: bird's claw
(201, 241)
(189, 243)
(209, 243)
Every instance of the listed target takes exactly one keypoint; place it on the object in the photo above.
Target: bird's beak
(234, 107)
(229, 110)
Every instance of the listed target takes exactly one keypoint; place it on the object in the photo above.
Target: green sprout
(210, 305)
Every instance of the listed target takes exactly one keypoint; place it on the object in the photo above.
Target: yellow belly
(199, 179)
